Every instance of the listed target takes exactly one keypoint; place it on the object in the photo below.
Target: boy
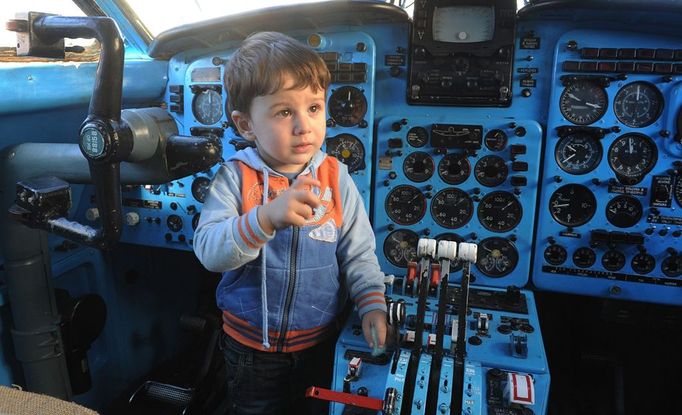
(286, 226)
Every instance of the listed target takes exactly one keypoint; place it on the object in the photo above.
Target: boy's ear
(243, 123)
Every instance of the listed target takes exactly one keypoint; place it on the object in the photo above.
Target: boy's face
(288, 126)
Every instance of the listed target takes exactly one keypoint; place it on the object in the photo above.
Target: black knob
(596, 181)
(392, 175)
(391, 227)
(664, 133)
(361, 47)
(477, 190)
(520, 132)
(649, 231)
(174, 206)
(558, 179)
(168, 237)
(525, 92)
(427, 232)
(677, 234)
(551, 240)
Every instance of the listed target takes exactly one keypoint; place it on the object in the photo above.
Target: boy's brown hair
(258, 68)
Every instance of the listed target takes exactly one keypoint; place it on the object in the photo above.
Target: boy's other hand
(375, 320)
(292, 207)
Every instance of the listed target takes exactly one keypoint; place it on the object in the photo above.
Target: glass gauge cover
(555, 254)
(454, 168)
(638, 104)
(584, 257)
(583, 102)
(491, 171)
(499, 212)
(417, 136)
(572, 205)
(349, 150)
(672, 266)
(200, 187)
(631, 156)
(207, 106)
(496, 140)
(452, 208)
(418, 166)
(578, 153)
(497, 257)
(463, 24)
(174, 223)
(643, 263)
(405, 205)
(624, 211)
(347, 106)
(400, 247)
(613, 260)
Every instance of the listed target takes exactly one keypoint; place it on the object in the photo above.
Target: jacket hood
(252, 159)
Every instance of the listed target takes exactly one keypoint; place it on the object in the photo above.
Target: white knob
(132, 218)
(447, 250)
(468, 252)
(426, 247)
(92, 214)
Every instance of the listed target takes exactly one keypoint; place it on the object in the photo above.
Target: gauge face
(638, 104)
(613, 260)
(405, 205)
(449, 236)
(463, 24)
(418, 166)
(349, 150)
(207, 106)
(491, 171)
(347, 106)
(400, 247)
(583, 102)
(195, 221)
(200, 187)
(678, 191)
(496, 140)
(624, 211)
(631, 156)
(454, 168)
(555, 254)
(174, 223)
(584, 257)
(643, 263)
(499, 212)
(672, 266)
(452, 208)
(417, 136)
(572, 205)
(497, 257)
(578, 153)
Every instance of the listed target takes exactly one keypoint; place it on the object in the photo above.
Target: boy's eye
(284, 113)
(315, 108)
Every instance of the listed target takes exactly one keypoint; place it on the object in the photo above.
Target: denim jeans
(264, 383)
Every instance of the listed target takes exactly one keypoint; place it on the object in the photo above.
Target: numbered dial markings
(347, 106)
(349, 150)
(497, 257)
(643, 263)
(207, 106)
(405, 205)
(583, 102)
(452, 208)
(613, 260)
(499, 212)
(624, 211)
(578, 153)
(555, 254)
(572, 205)
(496, 140)
(454, 168)
(491, 171)
(417, 136)
(400, 247)
(200, 187)
(418, 166)
(638, 104)
(584, 257)
(631, 156)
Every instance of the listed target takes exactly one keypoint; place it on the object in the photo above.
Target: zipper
(290, 288)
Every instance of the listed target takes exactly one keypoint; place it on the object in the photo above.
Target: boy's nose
(302, 126)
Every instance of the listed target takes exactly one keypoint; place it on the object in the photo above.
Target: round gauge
(347, 106)
(672, 266)
(613, 260)
(572, 205)
(632, 156)
(200, 187)
(638, 104)
(174, 223)
(195, 221)
(452, 208)
(418, 166)
(405, 205)
(624, 211)
(643, 263)
(449, 236)
(496, 140)
(499, 212)
(491, 171)
(349, 150)
(207, 106)
(400, 247)
(497, 257)
(578, 153)
(584, 257)
(454, 168)
(417, 136)
(678, 191)
(555, 254)
(583, 102)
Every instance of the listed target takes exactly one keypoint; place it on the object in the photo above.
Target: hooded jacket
(299, 277)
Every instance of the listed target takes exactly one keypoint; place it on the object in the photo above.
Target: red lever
(435, 275)
(411, 272)
(345, 398)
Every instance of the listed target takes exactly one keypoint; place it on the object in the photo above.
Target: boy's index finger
(302, 181)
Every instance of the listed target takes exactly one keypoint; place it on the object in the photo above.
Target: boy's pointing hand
(292, 207)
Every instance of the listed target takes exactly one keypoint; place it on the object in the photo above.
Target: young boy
(286, 226)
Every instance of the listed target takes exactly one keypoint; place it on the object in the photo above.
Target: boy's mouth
(302, 148)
